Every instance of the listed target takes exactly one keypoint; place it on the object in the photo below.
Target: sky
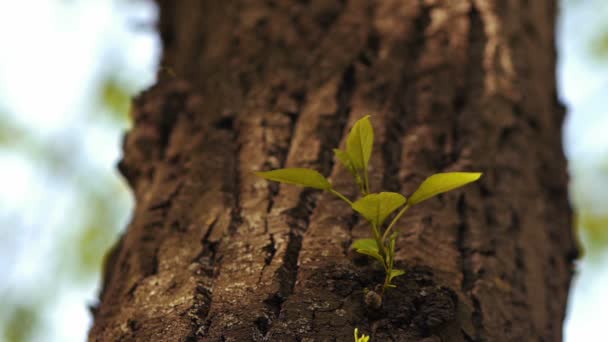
(583, 81)
(61, 71)
(59, 184)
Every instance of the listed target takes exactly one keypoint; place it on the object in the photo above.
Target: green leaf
(363, 338)
(373, 253)
(360, 142)
(365, 244)
(442, 182)
(297, 176)
(395, 273)
(376, 207)
(344, 159)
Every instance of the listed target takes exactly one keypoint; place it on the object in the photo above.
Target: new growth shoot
(374, 207)
(362, 338)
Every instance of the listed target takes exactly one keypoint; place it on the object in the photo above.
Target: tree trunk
(214, 253)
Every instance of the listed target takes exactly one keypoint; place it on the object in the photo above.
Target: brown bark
(214, 253)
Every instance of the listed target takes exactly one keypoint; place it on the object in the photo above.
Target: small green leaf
(376, 207)
(442, 182)
(297, 176)
(365, 244)
(373, 253)
(344, 159)
(395, 273)
(360, 142)
(363, 338)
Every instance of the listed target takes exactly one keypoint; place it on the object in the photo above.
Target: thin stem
(342, 197)
(397, 217)
(385, 285)
(389, 270)
(366, 180)
(362, 188)
(360, 183)
(380, 244)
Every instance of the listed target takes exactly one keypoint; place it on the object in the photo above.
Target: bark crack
(209, 256)
(476, 44)
(468, 276)
(299, 217)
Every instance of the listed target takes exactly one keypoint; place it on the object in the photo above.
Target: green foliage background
(92, 226)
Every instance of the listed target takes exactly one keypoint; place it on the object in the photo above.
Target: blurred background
(67, 71)
(62, 118)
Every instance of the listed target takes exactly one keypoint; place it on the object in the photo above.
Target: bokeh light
(67, 72)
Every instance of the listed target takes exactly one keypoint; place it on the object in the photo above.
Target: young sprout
(374, 207)
(363, 338)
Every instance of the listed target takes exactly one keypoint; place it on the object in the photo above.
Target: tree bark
(214, 253)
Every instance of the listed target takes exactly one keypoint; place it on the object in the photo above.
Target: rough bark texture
(214, 253)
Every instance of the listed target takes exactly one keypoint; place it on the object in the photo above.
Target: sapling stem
(390, 263)
(380, 244)
(342, 197)
(366, 181)
(385, 285)
(397, 217)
